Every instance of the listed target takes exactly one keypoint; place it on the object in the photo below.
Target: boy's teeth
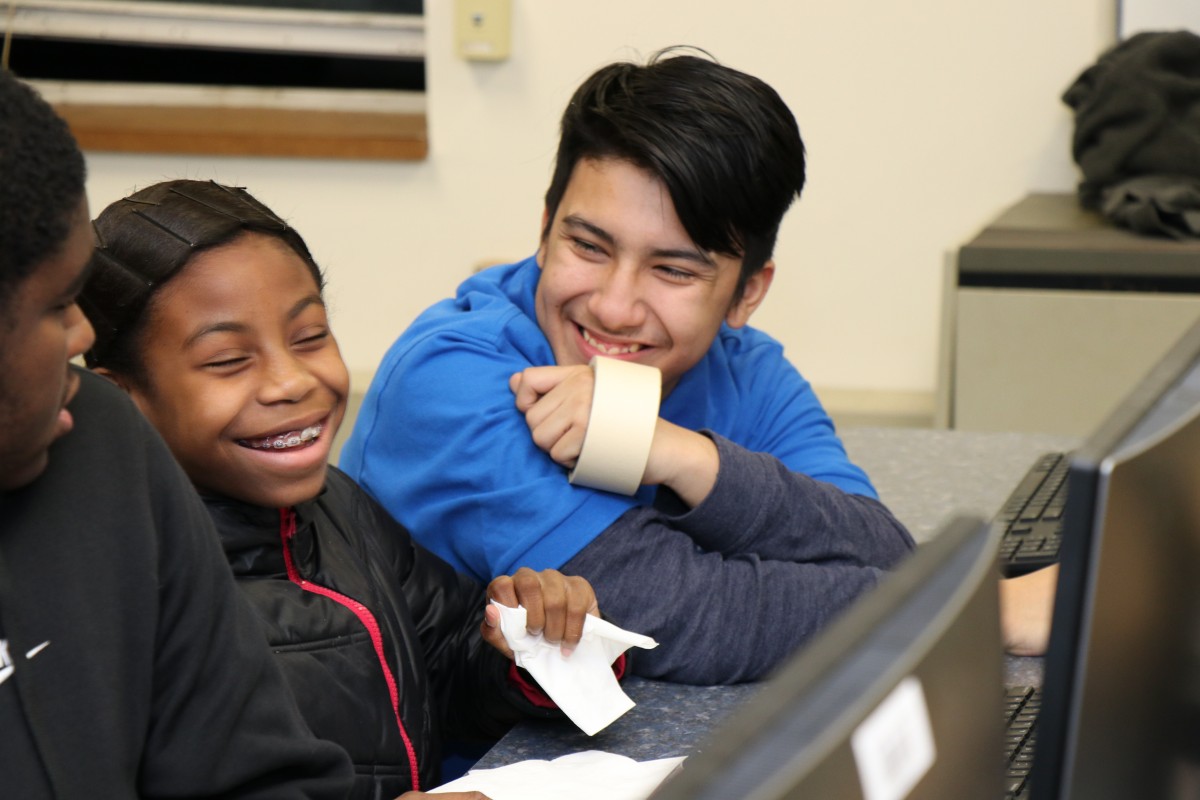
(285, 440)
(612, 350)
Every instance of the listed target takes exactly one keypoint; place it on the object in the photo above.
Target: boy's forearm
(760, 506)
(684, 461)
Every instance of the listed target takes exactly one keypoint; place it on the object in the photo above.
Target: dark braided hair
(146, 239)
(42, 177)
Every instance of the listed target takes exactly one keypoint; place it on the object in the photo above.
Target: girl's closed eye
(225, 361)
(311, 338)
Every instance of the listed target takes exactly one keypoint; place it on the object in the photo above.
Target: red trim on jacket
(528, 687)
(287, 530)
(534, 694)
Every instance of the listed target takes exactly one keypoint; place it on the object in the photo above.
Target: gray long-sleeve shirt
(731, 587)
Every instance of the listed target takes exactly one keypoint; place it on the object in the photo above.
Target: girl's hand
(555, 606)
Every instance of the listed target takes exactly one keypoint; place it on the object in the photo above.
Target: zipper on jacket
(287, 530)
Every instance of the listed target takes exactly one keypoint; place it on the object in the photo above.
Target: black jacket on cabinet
(1137, 133)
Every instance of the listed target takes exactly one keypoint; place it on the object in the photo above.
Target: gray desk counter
(924, 476)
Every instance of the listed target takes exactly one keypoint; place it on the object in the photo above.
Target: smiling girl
(208, 310)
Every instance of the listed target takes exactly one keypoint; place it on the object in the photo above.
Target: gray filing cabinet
(1057, 314)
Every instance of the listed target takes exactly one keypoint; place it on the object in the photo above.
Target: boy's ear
(753, 294)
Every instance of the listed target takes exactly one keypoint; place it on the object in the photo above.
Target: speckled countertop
(669, 720)
(924, 476)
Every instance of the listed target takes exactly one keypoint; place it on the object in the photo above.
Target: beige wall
(922, 120)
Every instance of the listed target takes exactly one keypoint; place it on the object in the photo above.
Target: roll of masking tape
(616, 447)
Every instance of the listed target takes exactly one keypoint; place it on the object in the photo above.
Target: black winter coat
(353, 584)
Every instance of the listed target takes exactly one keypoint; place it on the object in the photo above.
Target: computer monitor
(898, 698)
(1120, 685)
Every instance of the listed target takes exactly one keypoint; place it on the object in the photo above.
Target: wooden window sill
(248, 131)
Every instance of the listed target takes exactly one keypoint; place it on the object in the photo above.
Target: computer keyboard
(1032, 517)
(1021, 706)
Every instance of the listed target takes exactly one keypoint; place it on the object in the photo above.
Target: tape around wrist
(616, 446)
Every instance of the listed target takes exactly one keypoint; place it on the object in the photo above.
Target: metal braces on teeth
(306, 435)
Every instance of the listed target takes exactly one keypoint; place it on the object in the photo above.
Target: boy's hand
(557, 403)
(555, 606)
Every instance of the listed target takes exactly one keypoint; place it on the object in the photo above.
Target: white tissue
(583, 684)
(590, 775)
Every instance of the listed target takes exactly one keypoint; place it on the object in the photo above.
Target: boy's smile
(246, 383)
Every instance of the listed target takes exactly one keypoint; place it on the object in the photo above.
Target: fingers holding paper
(580, 680)
(555, 606)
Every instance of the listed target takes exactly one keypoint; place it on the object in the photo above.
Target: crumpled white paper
(590, 775)
(583, 684)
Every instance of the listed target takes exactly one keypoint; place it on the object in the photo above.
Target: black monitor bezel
(1086, 480)
(807, 700)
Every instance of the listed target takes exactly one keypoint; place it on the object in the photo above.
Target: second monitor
(1122, 684)
(899, 698)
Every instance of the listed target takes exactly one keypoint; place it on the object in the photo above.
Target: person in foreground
(129, 665)
(208, 310)
(752, 528)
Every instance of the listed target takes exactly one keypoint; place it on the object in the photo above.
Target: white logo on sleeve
(6, 663)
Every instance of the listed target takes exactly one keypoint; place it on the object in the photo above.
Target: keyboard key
(1031, 517)
(1021, 706)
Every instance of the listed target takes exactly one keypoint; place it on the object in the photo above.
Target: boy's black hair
(723, 143)
(42, 176)
(146, 239)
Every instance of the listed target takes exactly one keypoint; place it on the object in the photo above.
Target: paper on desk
(590, 775)
(583, 685)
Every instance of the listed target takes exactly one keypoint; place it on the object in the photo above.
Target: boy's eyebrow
(576, 221)
(694, 255)
(241, 327)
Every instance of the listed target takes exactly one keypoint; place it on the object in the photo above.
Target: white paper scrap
(590, 775)
(583, 684)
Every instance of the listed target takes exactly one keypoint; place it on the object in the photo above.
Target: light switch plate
(483, 29)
